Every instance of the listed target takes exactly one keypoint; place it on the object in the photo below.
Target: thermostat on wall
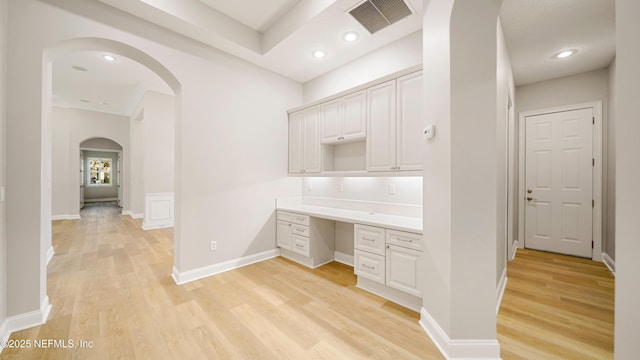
(429, 132)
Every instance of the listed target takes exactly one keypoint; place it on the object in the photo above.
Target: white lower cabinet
(403, 269)
(387, 263)
(305, 239)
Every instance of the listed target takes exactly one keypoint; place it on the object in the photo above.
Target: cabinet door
(311, 143)
(403, 269)
(283, 235)
(409, 122)
(296, 126)
(331, 119)
(381, 127)
(354, 116)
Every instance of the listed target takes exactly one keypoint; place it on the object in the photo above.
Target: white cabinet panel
(296, 126)
(369, 238)
(354, 116)
(381, 128)
(312, 155)
(283, 235)
(409, 122)
(331, 121)
(369, 266)
(403, 269)
(300, 245)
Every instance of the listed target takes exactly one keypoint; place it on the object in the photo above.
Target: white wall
(506, 89)
(3, 242)
(231, 137)
(609, 176)
(627, 128)
(397, 56)
(408, 190)
(575, 89)
(70, 128)
(158, 128)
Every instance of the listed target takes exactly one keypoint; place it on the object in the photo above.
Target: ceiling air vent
(376, 15)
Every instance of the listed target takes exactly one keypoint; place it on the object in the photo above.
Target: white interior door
(558, 181)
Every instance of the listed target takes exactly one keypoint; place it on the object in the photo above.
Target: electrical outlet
(341, 187)
(392, 189)
(309, 187)
(214, 245)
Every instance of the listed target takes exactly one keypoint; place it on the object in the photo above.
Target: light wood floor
(109, 283)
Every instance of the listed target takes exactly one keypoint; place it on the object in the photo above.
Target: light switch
(429, 132)
(392, 189)
(340, 187)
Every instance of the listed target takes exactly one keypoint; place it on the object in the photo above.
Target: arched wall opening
(49, 56)
(99, 185)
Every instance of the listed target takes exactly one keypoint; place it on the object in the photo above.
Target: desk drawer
(300, 245)
(300, 230)
(404, 239)
(293, 218)
(369, 266)
(369, 238)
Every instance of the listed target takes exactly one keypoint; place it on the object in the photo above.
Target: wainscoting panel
(158, 211)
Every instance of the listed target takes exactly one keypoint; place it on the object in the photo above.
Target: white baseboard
(502, 285)
(65, 217)
(343, 258)
(199, 273)
(4, 334)
(30, 319)
(155, 226)
(409, 301)
(50, 253)
(514, 249)
(133, 216)
(458, 349)
(609, 262)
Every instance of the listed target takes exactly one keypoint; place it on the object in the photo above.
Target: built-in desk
(386, 252)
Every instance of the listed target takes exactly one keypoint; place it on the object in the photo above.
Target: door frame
(596, 170)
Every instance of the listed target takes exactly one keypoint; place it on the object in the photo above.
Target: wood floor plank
(110, 283)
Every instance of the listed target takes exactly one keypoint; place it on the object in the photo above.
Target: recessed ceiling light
(79, 68)
(564, 53)
(109, 57)
(350, 36)
(319, 54)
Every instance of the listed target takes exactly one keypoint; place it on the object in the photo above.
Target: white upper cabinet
(381, 131)
(409, 122)
(304, 141)
(344, 119)
(296, 148)
(394, 128)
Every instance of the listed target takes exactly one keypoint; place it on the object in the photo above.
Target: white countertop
(402, 223)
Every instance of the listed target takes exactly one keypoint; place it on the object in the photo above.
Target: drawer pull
(300, 219)
(404, 240)
(367, 239)
(368, 267)
(299, 246)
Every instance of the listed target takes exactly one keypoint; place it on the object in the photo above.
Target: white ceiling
(280, 35)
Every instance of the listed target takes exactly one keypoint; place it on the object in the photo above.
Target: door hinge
(593, 162)
(592, 244)
(593, 203)
(593, 120)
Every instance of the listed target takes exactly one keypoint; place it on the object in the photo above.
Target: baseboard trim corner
(502, 285)
(50, 253)
(65, 217)
(132, 215)
(30, 319)
(609, 263)
(343, 258)
(155, 226)
(4, 334)
(514, 250)
(458, 349)
(181, 278)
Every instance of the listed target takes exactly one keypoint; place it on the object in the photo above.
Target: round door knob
(529, 198)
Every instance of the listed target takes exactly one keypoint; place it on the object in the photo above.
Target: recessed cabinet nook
(372, 130)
